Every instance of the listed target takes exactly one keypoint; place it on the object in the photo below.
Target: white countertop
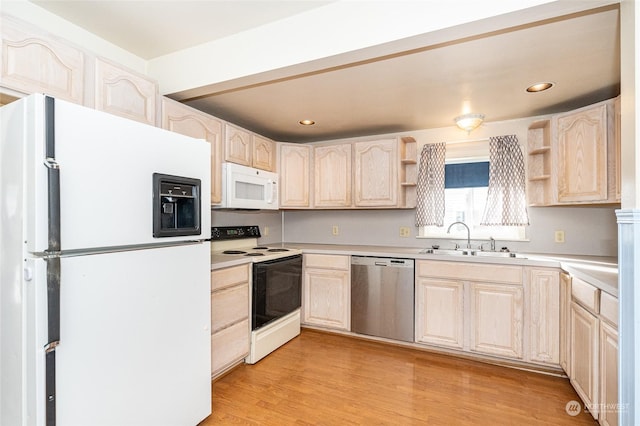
(602, 272)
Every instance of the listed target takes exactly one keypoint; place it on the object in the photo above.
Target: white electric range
(276, 286)
(242, 241)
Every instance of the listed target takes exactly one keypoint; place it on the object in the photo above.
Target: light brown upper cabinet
(264, 153)
(376, 173)
(248, 149)
(582, 155)
(332, 175)
(33, 63)
(124, 93)
(373, 174)
(295, 175)
(188, 121)
(574, 158)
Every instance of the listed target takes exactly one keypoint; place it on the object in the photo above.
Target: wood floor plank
(326, 379)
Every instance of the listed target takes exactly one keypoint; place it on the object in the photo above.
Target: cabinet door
(185, 120)
(295, 165)
(327, 298)
(124, 93)
(440, 312)
(376, 173)
(32, 64)
(584, 356)
(332, 181)
(237, 145)
(582, 156)
(544, 316)
(229, 346)
(229, 306)
(496, 319)
(565, 325)
(264, 154)
(608, 374)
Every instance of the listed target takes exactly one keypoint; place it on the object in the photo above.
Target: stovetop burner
(277, 249)
(254, 254)
(260, 248)
(234, 252)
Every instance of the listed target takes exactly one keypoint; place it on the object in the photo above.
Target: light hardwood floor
(326, 379)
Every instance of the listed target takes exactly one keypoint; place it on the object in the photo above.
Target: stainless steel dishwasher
(382, 297)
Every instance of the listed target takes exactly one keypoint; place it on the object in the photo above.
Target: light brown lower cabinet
(496, 319)
(583, 370)
(608, 375)
(230, 327)
(327, 291)
(565, 325)
(440, 312)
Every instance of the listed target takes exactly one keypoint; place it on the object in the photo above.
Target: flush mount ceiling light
(307, 122)
(468, 122)
(540, 87)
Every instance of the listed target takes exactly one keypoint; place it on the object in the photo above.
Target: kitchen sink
(469, 252)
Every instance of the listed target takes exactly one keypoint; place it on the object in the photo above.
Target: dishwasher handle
(391, 262)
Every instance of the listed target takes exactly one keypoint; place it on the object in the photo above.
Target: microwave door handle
(271, 191)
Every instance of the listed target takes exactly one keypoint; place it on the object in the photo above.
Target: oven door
(277, 289)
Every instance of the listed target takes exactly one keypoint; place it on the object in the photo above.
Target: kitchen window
(466, 185)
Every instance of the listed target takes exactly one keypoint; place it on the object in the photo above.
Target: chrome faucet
(468, 232)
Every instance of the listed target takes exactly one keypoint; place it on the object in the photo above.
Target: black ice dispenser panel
(176, 206)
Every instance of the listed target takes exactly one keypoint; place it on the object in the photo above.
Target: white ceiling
(420, 89)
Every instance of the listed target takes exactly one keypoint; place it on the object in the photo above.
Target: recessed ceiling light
(539, 87)
(307, 122)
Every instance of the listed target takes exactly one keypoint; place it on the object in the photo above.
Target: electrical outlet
(559, 236)
(335, 230)
(405, 231)
(265, 231)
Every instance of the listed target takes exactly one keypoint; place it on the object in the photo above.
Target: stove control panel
(234, 232)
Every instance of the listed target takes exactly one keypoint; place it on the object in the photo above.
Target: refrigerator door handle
(52, 262)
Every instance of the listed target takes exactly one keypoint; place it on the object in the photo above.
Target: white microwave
(248, 188)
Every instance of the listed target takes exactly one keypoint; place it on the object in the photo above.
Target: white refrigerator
(104, 318)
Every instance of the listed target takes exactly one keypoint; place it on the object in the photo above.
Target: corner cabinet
(230, 322)
(188, 121)
(295, 175)
(327, 291)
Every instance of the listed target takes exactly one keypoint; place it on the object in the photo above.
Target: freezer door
(106, 166)
(135, 338)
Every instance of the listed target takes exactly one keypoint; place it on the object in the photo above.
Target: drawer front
(327, 261)
(222, 278)
(585, 294)
(462, 271)
(609, 308)
(229, 306)
(229, 346)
